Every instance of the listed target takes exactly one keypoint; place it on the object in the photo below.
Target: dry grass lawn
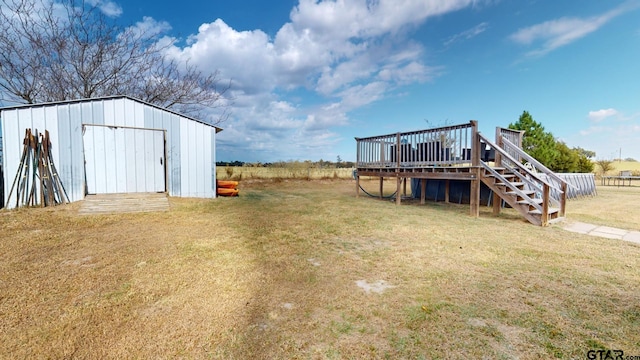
(623, 165)
(299, 269)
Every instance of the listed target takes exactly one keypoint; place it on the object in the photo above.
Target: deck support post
(474, 198)
(496, 200)
(544, 217)
(423, 190)
(404, 186)
(398, 185)
(563, 198)
(357, 186)
(381, 187)
(447, 186)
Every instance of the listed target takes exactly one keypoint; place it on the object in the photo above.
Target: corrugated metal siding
(195, 149)
(110, 165)
(213, 162)
(14, 124)
(190, 145)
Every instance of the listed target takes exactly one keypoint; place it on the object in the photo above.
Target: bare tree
(605, 166)
(53, 51)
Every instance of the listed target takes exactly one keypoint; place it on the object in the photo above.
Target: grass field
(618, 166)
(626, 165)
(304, 269)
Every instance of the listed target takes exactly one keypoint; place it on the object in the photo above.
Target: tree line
(293, 164)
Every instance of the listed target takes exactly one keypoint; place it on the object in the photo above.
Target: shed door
(123, 160)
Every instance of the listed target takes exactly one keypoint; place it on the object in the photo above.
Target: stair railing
(508, 184)
(524, 174)
(557, 183)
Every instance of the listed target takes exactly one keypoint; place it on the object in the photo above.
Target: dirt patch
(377, 287)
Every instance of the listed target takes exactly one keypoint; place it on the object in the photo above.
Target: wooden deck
(461, 152)
(124, 203)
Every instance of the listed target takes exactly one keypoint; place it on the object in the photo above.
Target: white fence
(579, 185)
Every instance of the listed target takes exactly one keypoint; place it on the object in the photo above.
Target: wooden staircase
(528, 189)
(518, 194)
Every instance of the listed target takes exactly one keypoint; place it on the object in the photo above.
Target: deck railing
(443, 146)
(513, 136)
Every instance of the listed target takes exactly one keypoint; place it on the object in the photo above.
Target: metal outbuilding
(115, 145)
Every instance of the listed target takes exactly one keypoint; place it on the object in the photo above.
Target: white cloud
(149, 27)
(608, 138)
(271, 130)
(344, 54)
(599, 115)
(467, 34)
(563, 31)
(245, 56)
(345, 19)
(609, 141)
(327, 46)
(109, 8)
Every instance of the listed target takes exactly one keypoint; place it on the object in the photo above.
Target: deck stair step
(503, 182)
(551, 211)
(516, 184)
(506, 176)
(526, 192)
(531, 201)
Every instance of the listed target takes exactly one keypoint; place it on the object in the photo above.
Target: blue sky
(308, 76)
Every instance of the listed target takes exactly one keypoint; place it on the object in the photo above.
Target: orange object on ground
(227, 192)
(227, 184)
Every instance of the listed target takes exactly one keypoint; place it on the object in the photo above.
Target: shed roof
(218, 129)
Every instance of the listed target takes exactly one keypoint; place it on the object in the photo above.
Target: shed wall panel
(194, 171)
(205, 165)
(174, 148)
(111, 174)
(65, 146)
(12, 151)
(109, 112)
(139, 164)
(97, 113)
(130, 166)
(91, 148)
(213, 162)
(138, 113)
(51, 116)
(198, 158)
(121, 165)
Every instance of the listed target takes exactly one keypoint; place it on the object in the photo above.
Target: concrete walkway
(604, 231)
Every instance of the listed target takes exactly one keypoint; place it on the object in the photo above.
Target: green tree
(565, 160)
(555, 155)
(585, 165)
(536, 141)
(586, 153)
